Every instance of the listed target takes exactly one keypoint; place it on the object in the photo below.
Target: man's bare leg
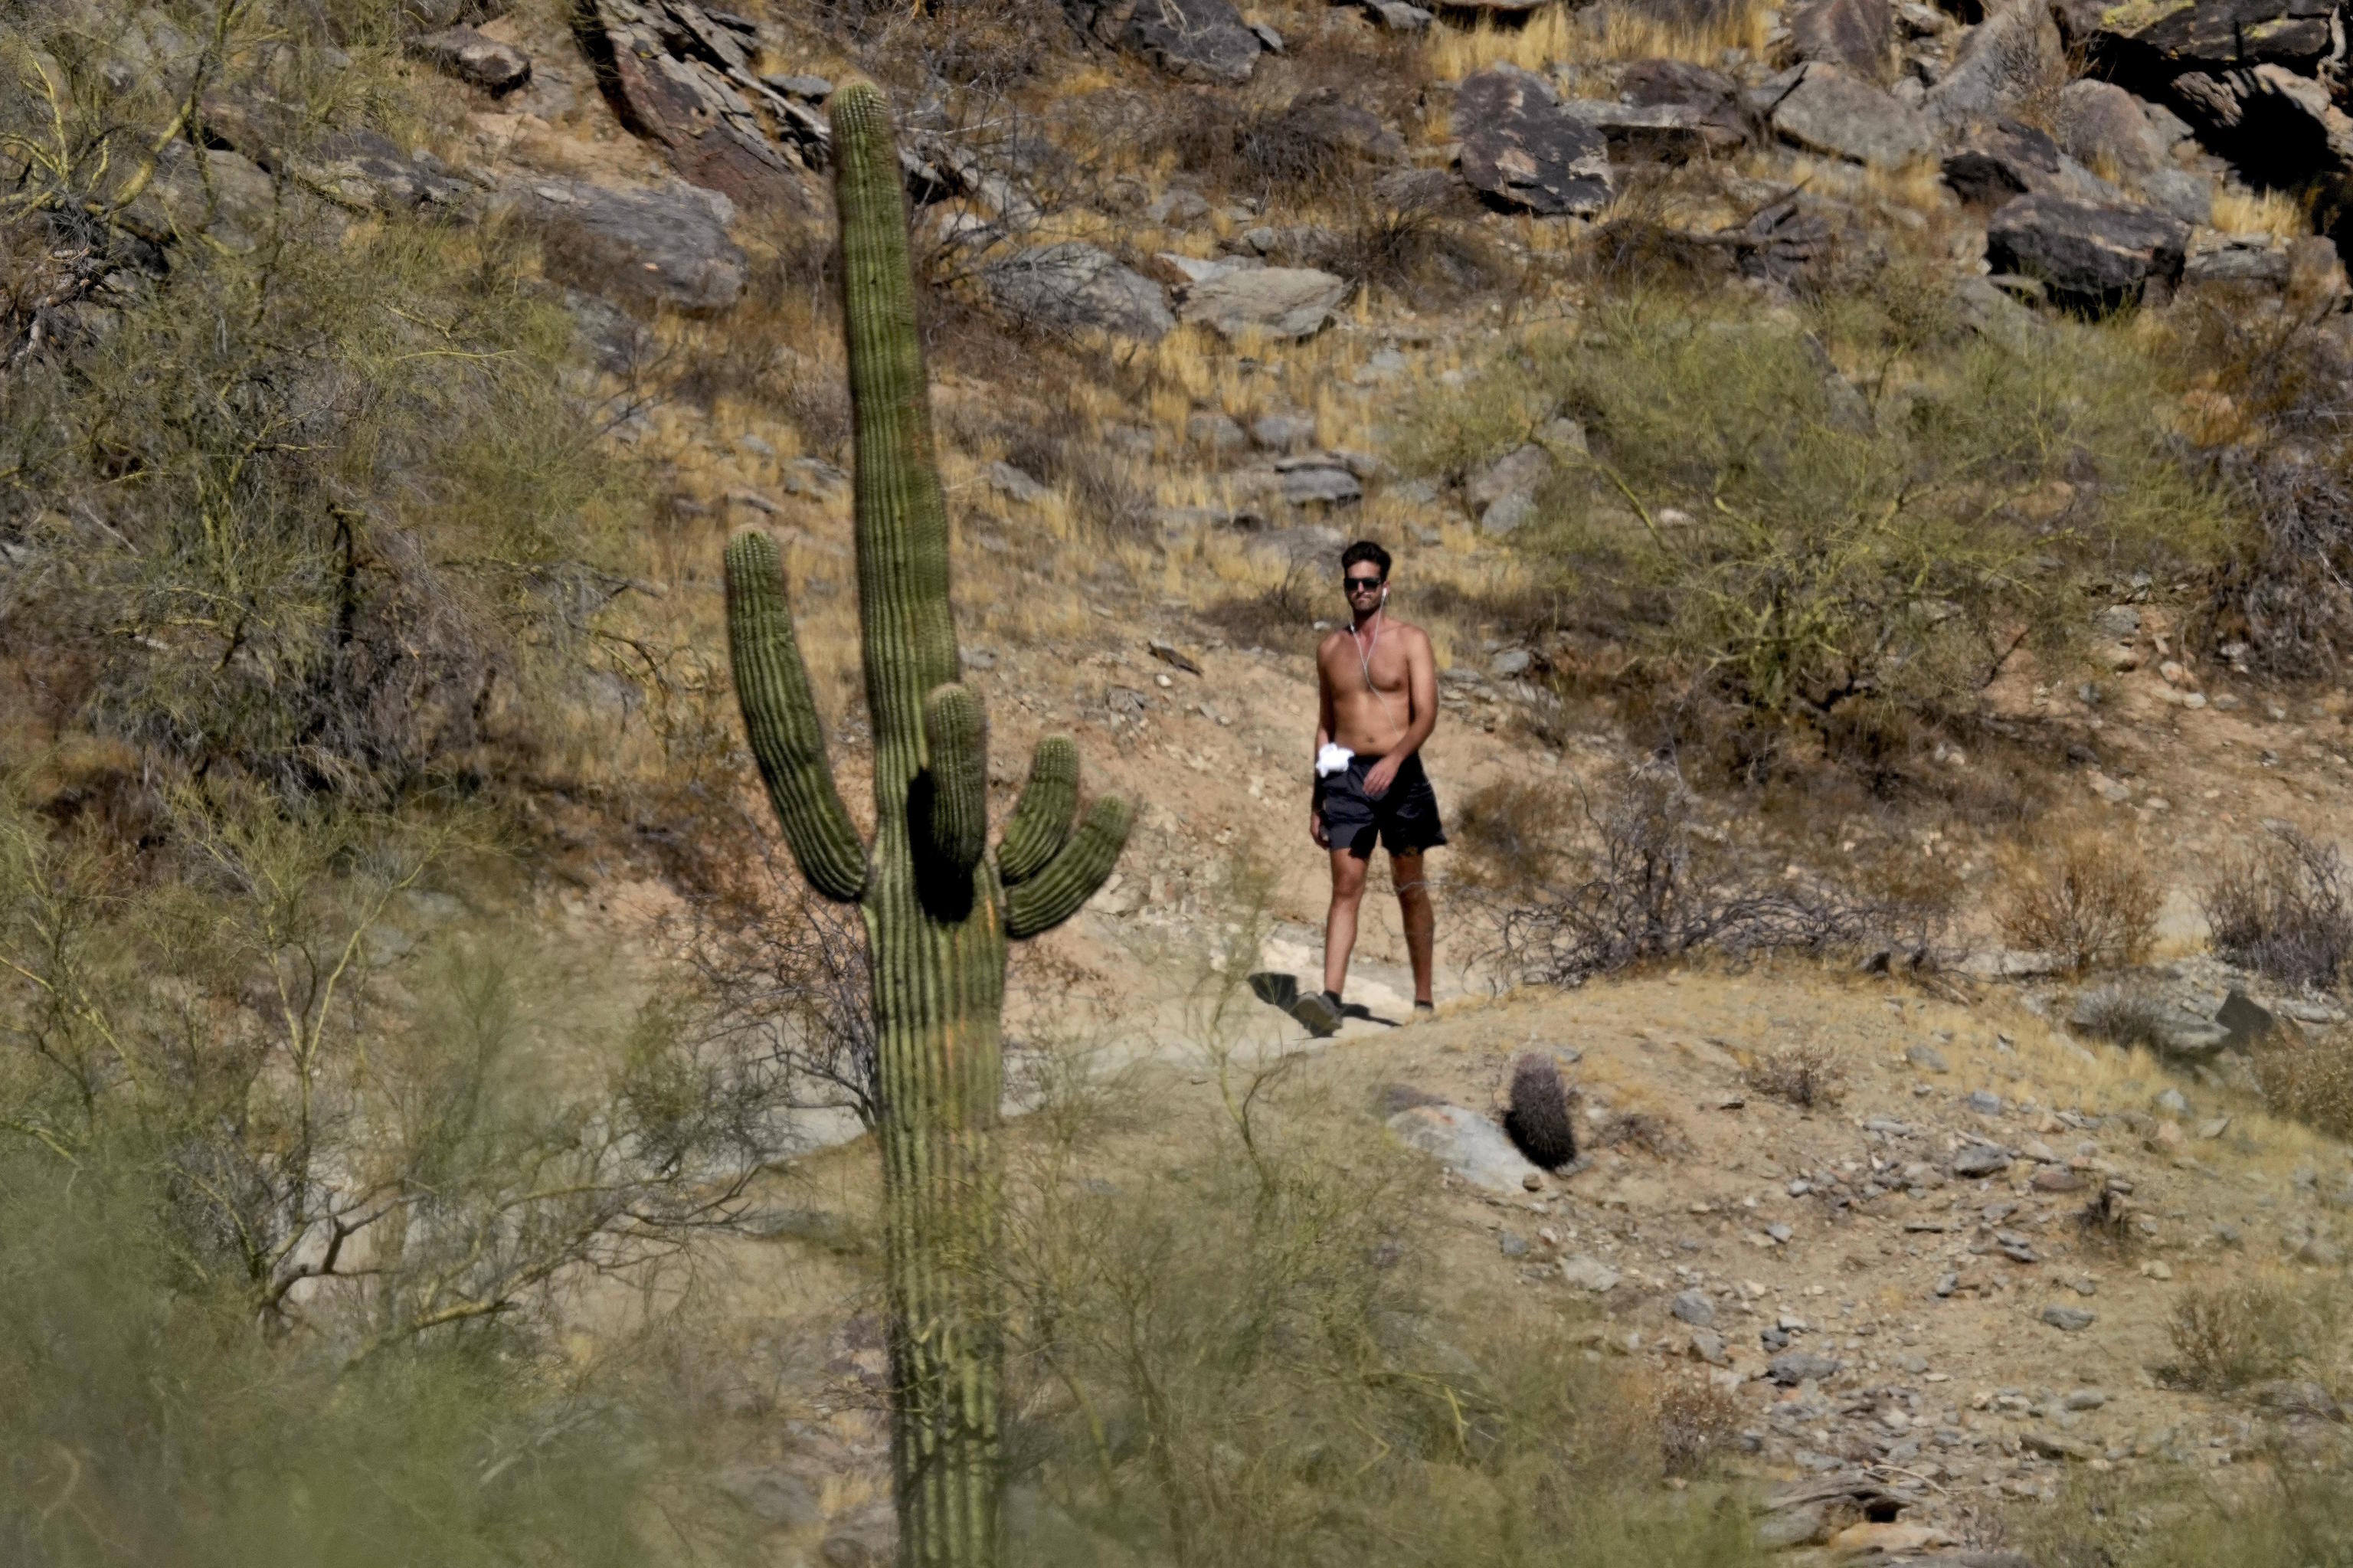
(1340, 920)
(1421, 922)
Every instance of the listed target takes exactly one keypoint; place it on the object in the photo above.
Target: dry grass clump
(1696, 1422)
(2240, 209)
(2307, 1077)
(2285, 910)
(2230, 1335)
(1695, 30)
(1807, 1075)
(2084, 896)
(2124, 1015)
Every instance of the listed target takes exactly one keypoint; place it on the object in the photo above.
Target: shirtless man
(1378, 702)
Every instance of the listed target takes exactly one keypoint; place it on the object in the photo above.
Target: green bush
(1794, 539)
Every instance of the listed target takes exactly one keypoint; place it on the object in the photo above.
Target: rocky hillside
(1875, 477)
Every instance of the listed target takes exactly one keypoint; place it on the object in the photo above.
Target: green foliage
(287, 493)
(142, 1419)
(1795, 537)
(1255, 1354)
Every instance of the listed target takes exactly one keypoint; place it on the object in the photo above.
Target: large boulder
(2279, 128)
(1074, 285)
(1275, 302)
(1200, 40)
(1521, 148)
(2156, 37)
(1829, 110)
(1858, 36)
(471, 57)
(1994, 163)
(2103, 126)
(1467, 1144)
(2088, 256)
(654, 246)
(684, 78)
(1712, 98)
(1339, 126)
(2011, 57)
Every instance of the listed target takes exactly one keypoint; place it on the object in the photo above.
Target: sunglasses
(1361, 585)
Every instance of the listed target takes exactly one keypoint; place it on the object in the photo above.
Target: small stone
(1928, 1058)
(2051, 1445)
(1708, 1345)
(1692, 1307)
(1512, 1243)
(2172, 1103)
(1978, 1159)
(1533, 1180)
(2069, 1319)
(1947, 1283)
(2055, 1179)
(1791, 1368)
(2087, 1399)
(1985, 1102)
(1589, 1273)
(2213, 1128)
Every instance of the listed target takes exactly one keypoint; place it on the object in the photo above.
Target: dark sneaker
(1318, 1012)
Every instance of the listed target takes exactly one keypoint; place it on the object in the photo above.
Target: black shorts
(1403, 819)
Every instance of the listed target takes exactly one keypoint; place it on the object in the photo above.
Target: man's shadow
(1281, 991)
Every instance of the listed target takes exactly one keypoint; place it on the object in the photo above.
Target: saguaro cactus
(938, 907)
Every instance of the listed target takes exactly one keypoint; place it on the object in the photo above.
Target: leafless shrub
(2085, 896)
(2307, 1077)
(2230, 1335)
(1645, 1131)
(1696, 1422)
(1279, 615)
(2108, 1222)
(1644, 886)
(1804, 1075)
(2124, 1016)
(2285, 911)
(785, 980)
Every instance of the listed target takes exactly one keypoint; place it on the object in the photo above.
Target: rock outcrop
(1522, 149)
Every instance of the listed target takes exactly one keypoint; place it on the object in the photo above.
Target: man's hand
(1382, 774)
(1315, 828)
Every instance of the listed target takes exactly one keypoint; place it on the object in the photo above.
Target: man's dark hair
(1366, 550)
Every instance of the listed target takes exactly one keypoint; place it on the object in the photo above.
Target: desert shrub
(2287, 1513)
(1696, 1420)
(1243, 1361)
(1281, 615)
(2123, 1015)
(2307, 1077)
(1646, 1132)
(2285, 910)
(1793, 539)
(1803, 1075)
(1638, 883)
(299, 499)
(2226, 1336)
(1512, 833)
(2085, 896)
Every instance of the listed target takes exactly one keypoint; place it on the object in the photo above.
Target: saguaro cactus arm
(1041, 819)
(955, 738)
(1071, 878)
(780, 719)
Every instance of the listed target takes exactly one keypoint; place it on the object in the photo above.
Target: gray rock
(808, 88)
(1283, 433)
(2085, 1399)
(663, 245)
(1466, 1143)
(2090, 257)
(1208, 428)
(775, 1494)
(2053, 1446)
(1985, 1102)
(1521, 148)
(1321, 486)
(1335, 123)
(2069, 1319)
(1832, 111)
(2172, 1103)
(1652, 132)
(2297, 1396)
(1507, 514)
(2243, 1020)
(1512, 1243)
(478, 61)
(1995, 164)
(1074, 285)
(1178, 208)
(1928, 1058)
(1708, 1346)
(1793, 1367)
(1200, 40)
(2015, 53)
(1858, 36)
(1399, 16)
(222, 196)
(2102, 124)
(2217, 35)
(1692, 1307)
(1015, 485)
(2185, 196)
(1510, 665)
(1279, 301)
(1520, 472)
(1712, 100)
(1980, 1159)
(1589, 1273)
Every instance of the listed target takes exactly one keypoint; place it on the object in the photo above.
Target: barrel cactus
(1537, 1116)
(938, 907)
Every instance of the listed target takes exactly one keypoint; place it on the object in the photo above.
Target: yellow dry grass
(2238, 211)
(1559, 36)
